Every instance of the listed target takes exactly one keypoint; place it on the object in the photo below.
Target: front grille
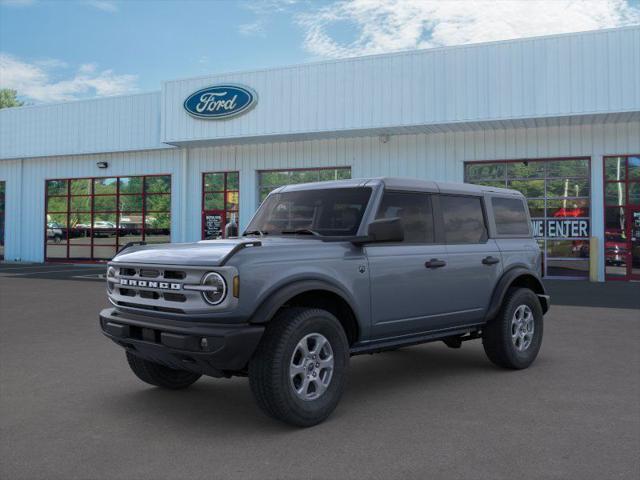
(147, 292)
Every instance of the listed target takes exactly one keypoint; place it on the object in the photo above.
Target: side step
(405, 341)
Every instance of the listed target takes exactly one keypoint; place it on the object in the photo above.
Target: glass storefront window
(220, 204)
(2, 215)
(615, 193)
(269, 180)
(559, 197)
(622, 217)
(92, 218)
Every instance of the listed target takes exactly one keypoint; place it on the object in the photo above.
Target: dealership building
(555, 117)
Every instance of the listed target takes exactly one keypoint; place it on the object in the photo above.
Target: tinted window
(510, 216)
(463, 219)
(414, 209)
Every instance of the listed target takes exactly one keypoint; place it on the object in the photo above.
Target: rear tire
(298, 373)
(159, 375)
(513, 338)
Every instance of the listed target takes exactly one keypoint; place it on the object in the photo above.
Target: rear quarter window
(510, 216)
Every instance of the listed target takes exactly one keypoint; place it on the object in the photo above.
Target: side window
(414, 209)
(463, 219)
(510, 216)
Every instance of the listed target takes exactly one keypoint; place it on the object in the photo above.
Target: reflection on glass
(80, 204)
(567, 268)
(233, 181)
(158, 203)
(80, 252)
(568, 168)
(56, 187)
(614, 168)
(158, 221)
(634, 193)
(56, 233)
(536, 208)
(526, 169)
(130, 185)
(568, 248)
(157, 236)
(56, 251)
(485, 171)
(614, 193)
(214, 201)
(568, 208)
(80, 187)
(57, 204)
(104, 252)
(213, 182)
(105, 203)
(529, 188)
(130, 203)
(634, 168)
(105, 185)
(614, 220)
(161, 184)
(567, 188)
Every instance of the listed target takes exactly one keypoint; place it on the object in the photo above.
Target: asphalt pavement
(71, 409)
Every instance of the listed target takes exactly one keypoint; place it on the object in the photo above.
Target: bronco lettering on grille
(147, 284)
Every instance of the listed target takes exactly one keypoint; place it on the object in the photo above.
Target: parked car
(325, 271)
(54, 232)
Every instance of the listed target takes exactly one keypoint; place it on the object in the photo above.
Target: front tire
(159, 375)
(513, 339)
(298, 372)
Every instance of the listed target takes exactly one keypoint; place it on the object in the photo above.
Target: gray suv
(325, 271)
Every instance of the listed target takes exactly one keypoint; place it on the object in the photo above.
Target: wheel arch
(517, 277)
(311, 294)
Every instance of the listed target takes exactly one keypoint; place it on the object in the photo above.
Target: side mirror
(385, 230)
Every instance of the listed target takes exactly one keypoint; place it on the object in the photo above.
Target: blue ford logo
(220, 101)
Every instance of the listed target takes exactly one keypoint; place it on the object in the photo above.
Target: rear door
(474, 261)
(407, 289)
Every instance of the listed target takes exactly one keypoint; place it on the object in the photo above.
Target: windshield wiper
(255, 232)
(301, 231)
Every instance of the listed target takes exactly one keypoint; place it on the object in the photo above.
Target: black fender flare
(506, 280)
(276, 299)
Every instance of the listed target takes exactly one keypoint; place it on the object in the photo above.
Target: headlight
(111, 275)
(216, 288)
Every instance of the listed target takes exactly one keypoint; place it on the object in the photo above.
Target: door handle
(435, 263)
(490, 260)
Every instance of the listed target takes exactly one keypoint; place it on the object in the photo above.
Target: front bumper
(209, 349)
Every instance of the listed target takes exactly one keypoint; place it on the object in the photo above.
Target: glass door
(622, 217)
(634, 241)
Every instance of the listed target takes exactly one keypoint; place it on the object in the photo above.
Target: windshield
(327, 212)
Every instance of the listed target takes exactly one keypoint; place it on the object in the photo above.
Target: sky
(59, 50)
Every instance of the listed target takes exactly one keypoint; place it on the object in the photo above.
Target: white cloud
(36, 81)
(104, 5)
(389, 25)
(252, 29)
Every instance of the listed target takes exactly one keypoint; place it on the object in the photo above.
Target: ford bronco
(325, 271)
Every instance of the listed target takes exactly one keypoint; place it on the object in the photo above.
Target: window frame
(483, 209)
(438, 232)
(91, 257)
(492, 216)
(226, 190)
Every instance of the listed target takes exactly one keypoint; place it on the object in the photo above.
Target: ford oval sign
(220, 101)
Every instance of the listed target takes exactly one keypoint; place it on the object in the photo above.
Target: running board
(395, 342)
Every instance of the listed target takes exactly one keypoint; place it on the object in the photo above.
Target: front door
(408, 294)
(634, 243)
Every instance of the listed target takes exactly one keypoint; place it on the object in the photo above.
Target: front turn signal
(236, 286)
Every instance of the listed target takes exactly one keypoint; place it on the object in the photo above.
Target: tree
(8, 98)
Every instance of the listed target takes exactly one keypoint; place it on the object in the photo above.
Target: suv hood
(203, 253)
